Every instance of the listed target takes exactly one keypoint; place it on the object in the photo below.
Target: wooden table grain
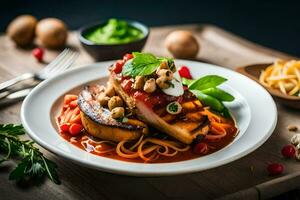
(245, 178)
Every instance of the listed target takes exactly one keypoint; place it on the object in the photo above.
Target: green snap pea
(214, 103)
(205, 82)
(186, 81)
(218, 94)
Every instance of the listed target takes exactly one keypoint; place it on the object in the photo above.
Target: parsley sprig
(33, 164)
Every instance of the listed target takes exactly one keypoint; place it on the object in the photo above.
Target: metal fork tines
(63, 61)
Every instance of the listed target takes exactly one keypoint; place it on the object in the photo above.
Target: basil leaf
(214, 103)
(142, 64)
(148, 69)
(128, 68)
(186, 81)
(218, 94)
(207, 82)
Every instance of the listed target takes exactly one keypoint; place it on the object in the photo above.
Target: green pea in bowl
(111, 39)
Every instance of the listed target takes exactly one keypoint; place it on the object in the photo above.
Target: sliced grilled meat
(185, 126)
(98, 122)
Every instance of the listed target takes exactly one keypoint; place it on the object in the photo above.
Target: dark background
(272, 23)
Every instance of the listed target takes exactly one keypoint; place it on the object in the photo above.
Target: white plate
(254, 110)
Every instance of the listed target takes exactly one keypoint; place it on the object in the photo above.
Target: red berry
(200, 148)
(275, 169)
(184, 72)
(38, 53)
(75, 129)
(288, 151)
(64, 128)
(127, 56)
(118, 66)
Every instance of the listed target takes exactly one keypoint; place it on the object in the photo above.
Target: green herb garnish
(142, 64)
(205, 89)
(33, 164)
(174, 108)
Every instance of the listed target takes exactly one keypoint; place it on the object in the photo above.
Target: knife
(14, 97)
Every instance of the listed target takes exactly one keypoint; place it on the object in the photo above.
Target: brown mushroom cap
(182, 44)
(21, 30)
(52, 32)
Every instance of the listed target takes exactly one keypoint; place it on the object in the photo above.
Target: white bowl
(254, 110)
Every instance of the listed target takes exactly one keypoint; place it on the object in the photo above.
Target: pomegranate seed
(38, 53)
(75, 129)
(200, 148)
(184, 72)
(118, 66)
(127, 56)
(64, 128)
(288, 151)
(275, 169)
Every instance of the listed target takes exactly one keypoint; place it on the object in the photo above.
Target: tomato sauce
(180, 156)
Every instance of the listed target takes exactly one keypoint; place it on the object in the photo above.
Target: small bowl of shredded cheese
(284, 76)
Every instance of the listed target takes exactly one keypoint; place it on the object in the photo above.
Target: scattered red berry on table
(275, 169)
(75, 129)
(288, 151)
(184, 72)
(38, 53)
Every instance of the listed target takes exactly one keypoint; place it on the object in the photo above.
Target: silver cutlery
(63, 61)
(14, 97)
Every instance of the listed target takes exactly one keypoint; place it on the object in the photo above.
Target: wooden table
(244, 178)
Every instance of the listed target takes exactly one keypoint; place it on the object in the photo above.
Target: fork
(63, 61)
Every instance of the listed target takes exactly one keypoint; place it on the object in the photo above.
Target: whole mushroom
(182, 44)
(52, 32)
(21, 30)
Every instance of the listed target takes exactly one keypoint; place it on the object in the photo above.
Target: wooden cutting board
(244, 178)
